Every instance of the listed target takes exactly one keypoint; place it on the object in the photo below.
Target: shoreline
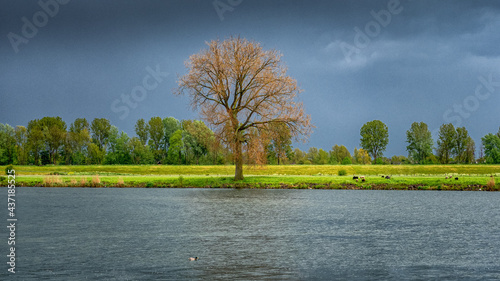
(376, 177)
(259, 185)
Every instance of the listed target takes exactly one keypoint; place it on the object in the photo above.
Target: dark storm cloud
(426, 60)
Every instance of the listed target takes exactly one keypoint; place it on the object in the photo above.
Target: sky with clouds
(396, 61)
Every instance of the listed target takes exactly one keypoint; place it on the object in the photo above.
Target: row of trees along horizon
(191, 142)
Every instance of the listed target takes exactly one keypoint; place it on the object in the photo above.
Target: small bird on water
(193, 259)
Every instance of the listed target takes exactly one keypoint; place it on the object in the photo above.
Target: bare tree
(237, 86)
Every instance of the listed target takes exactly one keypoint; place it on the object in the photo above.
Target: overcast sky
(356, 61)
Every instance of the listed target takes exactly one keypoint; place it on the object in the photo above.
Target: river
(149, 234)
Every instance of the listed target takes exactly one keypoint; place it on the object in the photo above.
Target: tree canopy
(241, 89)
(420, 143)
(491, 145)
(374, 138)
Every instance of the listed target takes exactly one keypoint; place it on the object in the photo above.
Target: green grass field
(470, 177)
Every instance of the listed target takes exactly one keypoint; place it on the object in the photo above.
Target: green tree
(446, 142)
(323, 157)
(7, 144)
(100, 129)
(197, 137)
(156, 137)
(354, 157)
(21, 136)
(119, 148)
(95, 155)
(347, 161)
(313, 155)
(491, 145)
(420, 143)
(171, 125)
(142, 130)
(338, 153)
(204, 143)
(431, 159)
(280, 147)
(140, 153)
(78, 140)
(398, 160)
(299, 156)
(174, 154)
(111, 155)
(54, 135)
(35, 140)
(374, 138)
(470, 151)
(364, 157)
(461, 143)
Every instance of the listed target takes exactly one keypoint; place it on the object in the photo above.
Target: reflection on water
(149, 234)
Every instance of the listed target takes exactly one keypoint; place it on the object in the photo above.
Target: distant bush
(96, 181)
(383, 161)
(342, 172)
(430, 160)
(83, 182)
(346, 161)
(491, 184)
(120, 182)
(8, 168)
(51, 181)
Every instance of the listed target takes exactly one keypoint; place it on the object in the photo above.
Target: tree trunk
(238, 161)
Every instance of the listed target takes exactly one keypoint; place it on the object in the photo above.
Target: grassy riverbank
(432, 177)
(304, 170)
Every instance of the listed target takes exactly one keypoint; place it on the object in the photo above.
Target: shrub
(50, 181)
(342, 172)
(120, 182)
(491, 184)
(96, 181)
(8, 168)
(383, 161)
(346, 161)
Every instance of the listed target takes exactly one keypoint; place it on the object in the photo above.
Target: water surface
(149, 234)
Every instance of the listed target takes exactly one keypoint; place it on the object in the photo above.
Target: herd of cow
(362, 178)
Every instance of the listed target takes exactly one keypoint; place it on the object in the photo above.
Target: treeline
(159, 141)
(169, 141)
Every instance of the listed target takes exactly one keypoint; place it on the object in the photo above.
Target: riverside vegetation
(404, 177)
